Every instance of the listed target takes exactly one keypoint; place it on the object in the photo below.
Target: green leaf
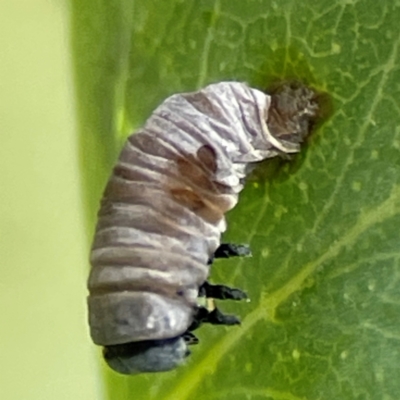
(324, 318)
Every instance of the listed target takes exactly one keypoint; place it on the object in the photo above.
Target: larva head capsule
(293, 110)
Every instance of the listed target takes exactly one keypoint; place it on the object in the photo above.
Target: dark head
(146, 356)
(293, 110)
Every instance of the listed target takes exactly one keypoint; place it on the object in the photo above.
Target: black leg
(221, 292)
(227, 250)
(190, 339)
(199, 317)
(216, 317)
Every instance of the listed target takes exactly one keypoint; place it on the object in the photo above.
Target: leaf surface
(324, 316)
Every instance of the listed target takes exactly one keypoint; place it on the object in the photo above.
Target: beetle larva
(162, 216)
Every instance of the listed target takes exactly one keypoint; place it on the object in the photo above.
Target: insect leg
(221, 292)
(227, 250)
(214, 317)
(190, 339)
(198, 318)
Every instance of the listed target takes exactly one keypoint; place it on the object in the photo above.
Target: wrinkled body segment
(163, 209)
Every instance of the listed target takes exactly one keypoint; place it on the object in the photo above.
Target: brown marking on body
(202, 103)
(207, 156)
(199, 192)
(198, 204)
(199, 170)
(129, 174)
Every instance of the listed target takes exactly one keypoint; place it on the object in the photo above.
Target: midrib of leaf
(267, 307)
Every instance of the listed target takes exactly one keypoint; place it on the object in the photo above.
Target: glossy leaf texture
(324, 279)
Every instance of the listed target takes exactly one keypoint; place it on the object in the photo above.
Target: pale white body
(162, 214)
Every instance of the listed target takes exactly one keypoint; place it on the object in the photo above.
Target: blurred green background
(45, 353)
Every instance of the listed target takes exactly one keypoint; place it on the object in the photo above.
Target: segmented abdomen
(163, 209)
